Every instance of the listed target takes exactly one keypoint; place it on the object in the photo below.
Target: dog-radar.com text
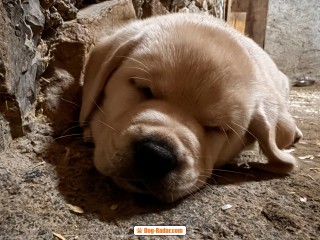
(160, 230)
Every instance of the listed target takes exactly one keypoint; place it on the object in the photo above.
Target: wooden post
(249, 17)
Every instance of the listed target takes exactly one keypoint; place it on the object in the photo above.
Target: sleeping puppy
(170, 98)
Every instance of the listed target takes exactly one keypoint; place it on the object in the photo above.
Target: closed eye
(146, 92)
(212, 129)
(215, 129)
(142, 87)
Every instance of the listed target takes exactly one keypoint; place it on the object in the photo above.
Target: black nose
(153, 159)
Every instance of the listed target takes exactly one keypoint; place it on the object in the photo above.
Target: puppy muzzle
(153, 159)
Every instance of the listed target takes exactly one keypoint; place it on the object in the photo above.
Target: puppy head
(166, 103)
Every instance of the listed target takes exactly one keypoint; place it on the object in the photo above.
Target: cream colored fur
(197, 84)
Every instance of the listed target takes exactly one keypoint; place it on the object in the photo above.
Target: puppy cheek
(100, 162)
(102, 151)
(213, 146)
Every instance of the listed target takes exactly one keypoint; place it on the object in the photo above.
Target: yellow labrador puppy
(169, 98)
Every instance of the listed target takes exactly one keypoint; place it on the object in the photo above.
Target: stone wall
(21, 27)
(61, 83)
(293, 36)
(28, 29)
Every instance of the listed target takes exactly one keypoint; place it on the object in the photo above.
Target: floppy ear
(102, 62)
(274, 133)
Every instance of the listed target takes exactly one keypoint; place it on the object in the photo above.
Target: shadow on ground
(82, 185)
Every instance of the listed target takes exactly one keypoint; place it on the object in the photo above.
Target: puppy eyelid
(212, 129)
(146, 90)
(216, 129)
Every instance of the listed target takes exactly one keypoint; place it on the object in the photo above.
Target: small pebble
(303, 199)
(226, 207)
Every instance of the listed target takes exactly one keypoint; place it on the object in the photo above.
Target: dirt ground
(43, 180)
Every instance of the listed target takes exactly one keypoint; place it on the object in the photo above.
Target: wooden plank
(236, 19)
(249, 17)
(256, 21)
(239, 5)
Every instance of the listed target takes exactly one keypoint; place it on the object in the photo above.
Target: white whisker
(65, 136)
(246, 130)
(133, 59)
(141, 70)
(73, 103)
(237, 135)
(146, 79)
(97, 106)
(107, 125)
(70, 128)
(205, 184)
(225, 133)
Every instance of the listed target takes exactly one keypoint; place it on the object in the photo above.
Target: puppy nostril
(153, 159)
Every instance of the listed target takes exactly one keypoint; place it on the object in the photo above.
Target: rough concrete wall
(27, 30)
(43, 48)
(21, 26)
(61, 83)
(148, 8)
(293, 36)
